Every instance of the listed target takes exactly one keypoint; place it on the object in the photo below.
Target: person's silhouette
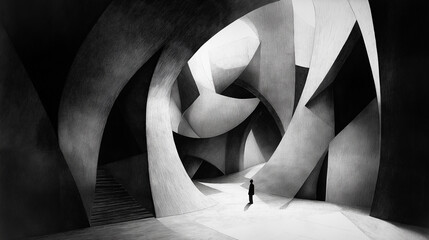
(251, 191)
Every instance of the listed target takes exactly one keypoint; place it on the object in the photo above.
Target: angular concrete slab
(354, 158)
(304, 25)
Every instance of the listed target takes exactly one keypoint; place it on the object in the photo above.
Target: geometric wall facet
(354, 156)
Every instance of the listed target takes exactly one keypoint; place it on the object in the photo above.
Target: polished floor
(270, 217)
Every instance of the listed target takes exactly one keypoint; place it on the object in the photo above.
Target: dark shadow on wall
(191, 164)
(301, 74)
(118, 141)
(353, 89)
(266, 132)
(187, 88)
(270, 108)
(236, 91)
(402, 192)
(132, 100)
(207, 170)
(37, 192)
(47, 36)
(133, 174)
(123, 149)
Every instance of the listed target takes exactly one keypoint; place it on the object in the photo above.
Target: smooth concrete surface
(229, 53)
(311, 187)
(304, 24)
(212, 69)
(296, 156)
(308, 135)
(108, 58)
(274, 217)
(185, 129)
(226, 151)
(334, 24)
(178, 123)
(270, 217)
(323, 106)
(354, 158)
(172, 190)
(403, 55)
(229, 60)
(199, 65)
(252, 152)
(272, 73)
(224, 56)
(175, 107)
(213, 114)
(212, 150)
(145, 229)
(37, 192)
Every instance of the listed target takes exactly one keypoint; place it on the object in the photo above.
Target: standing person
(251, 191)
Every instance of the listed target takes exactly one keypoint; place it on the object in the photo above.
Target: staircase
(113, 204)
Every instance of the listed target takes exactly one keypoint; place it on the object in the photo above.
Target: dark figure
(251, 191)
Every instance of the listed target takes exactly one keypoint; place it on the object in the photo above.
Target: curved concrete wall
(213, 114)
(273, 76)
(212, 150)
(362, 11)
(37, 193)
(227, 151)
(339, 16)
(108, 58)
(310, 130)
(215, 66)
(172, 190)
(106, 61)
(223, 57)
(402, 192)
(229, 60)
